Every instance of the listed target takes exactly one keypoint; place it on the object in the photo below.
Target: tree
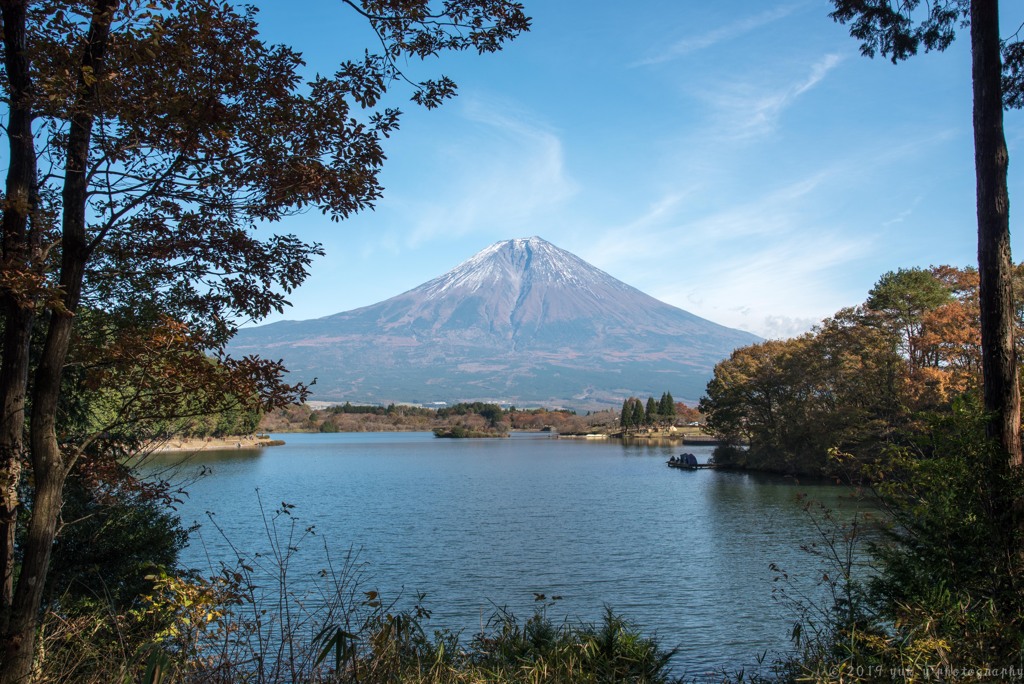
(793, 400)
(650, 412)
(492, 413)
(637, 419)
(633, 414)
(901, 299)
(116, 530)
(627, 419)
(743, 394)
(149, 143)
(667, 408)
(687, 414)
(951, 338)
(898, 31)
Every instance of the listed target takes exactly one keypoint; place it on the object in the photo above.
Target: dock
(705, 440)
(680, 465)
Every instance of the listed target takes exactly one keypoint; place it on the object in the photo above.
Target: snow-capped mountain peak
(521, 320)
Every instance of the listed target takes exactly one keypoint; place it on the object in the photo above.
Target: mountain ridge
(522, 320)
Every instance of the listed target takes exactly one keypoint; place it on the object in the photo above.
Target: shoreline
(177, 444)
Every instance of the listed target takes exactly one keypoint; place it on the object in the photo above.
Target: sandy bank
(217, 443)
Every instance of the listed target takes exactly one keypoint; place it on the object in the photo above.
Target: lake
(483, 523)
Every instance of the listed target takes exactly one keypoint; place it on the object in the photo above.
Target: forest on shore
(871, 377)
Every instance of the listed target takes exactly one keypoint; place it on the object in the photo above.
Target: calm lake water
(483, 523)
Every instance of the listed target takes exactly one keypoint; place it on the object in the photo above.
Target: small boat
(686, 462)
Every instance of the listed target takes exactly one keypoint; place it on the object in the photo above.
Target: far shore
(176, 444)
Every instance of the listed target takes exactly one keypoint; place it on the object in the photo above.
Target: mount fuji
(521, 321)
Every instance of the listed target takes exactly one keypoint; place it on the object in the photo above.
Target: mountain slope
(522, 321)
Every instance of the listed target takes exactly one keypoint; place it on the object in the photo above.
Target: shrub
(945, 599)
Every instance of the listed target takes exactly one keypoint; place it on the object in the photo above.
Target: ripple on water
(478, 524)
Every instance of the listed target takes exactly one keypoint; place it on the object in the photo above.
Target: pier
(682, 465)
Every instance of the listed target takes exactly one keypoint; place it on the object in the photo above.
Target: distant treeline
(390, 409)
(467, 415)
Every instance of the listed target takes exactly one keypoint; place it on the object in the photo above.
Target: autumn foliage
(859, 381)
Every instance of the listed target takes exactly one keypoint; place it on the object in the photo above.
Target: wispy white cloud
(783, 327)
(902, 216)
(818, 73)
(778, 282)
(746, 109)
(691, 44)
(773, 213)
(668, 226)
(638, 239)
(761, 262)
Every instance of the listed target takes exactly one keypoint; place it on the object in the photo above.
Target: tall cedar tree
(899, 31)
(149, 143)
(651, 412)
(637, 420)
(667, 408)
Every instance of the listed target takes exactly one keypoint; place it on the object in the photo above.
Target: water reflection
(660, 443)
(204, 457)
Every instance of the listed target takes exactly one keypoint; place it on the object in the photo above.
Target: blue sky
(738, 159)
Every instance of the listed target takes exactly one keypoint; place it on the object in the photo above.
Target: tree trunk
(995, 268)
(50, 465)
(16, 306)
(17, 323)
(19, 646)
